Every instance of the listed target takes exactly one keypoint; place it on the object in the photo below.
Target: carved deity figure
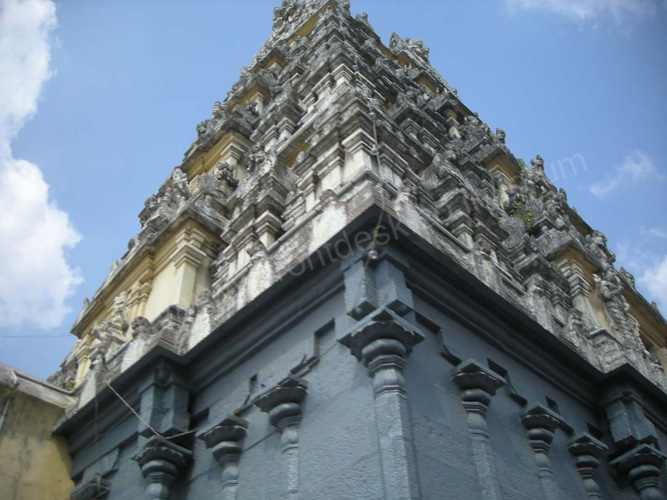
(500, 135)
(444, 162)
(141, 327)
(418, 48)
(627, 276)
(283, 15)
(180, 186)
(207, 125)
(395, 43)
(610, 290)
(574, 327)
(225, 173)
(596, 242)
(454, 133)
(118, 317)
(536, 180)
(218, 113)
(362, 18)
(555, 204)
(111, 332)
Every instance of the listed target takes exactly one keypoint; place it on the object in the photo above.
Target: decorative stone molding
(96, 487)
(283, 404)
(161, 462)
(587, 451)
(541, 424)
(383, 341)
(224, 439)
(642, 466)
(477, 385)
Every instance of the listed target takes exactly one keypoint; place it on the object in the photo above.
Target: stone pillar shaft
(393, 426)
(587, 451)
(383, 341)
(283, 404)
(541, 424)
(477, 385)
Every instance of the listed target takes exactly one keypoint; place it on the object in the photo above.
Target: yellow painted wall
(33, 464)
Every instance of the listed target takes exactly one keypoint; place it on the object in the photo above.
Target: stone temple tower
(350, 288)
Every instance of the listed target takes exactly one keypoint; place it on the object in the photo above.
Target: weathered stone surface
(349, 178)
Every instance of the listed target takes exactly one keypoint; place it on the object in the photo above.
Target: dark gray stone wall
(345, 448)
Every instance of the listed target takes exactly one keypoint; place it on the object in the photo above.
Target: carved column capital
(383, 332)
(161, 461)
(587, 451)
(224, 438)
(284, 401)
(642, 466)
(540, 418)
(541, 424)
(477, 384)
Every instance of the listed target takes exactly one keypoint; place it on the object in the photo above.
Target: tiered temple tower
(351, 288)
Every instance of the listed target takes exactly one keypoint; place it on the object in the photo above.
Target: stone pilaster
(642, 465)
(587, 451)
(382, 342)
(164, 402)
(161, 462)
(541, 424)
(477, 385)
(283, 404)
(224, 440)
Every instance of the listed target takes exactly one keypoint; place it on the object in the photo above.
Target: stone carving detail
(382, 342)
(596, 242)
(628, 277)
(283, 404)
(418, 48)
(161, 462)
(478, 384)
(587, 451)
(161, 207)
(224, 440)
(225, 174)
(142, 327)
(207, 126)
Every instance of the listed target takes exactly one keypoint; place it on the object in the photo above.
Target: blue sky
(99, 101)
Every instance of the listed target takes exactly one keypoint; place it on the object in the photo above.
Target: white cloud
(654, 279)
(647, 232)
(646, 256)
(637, 166)
(35, 278)
(590, 10)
